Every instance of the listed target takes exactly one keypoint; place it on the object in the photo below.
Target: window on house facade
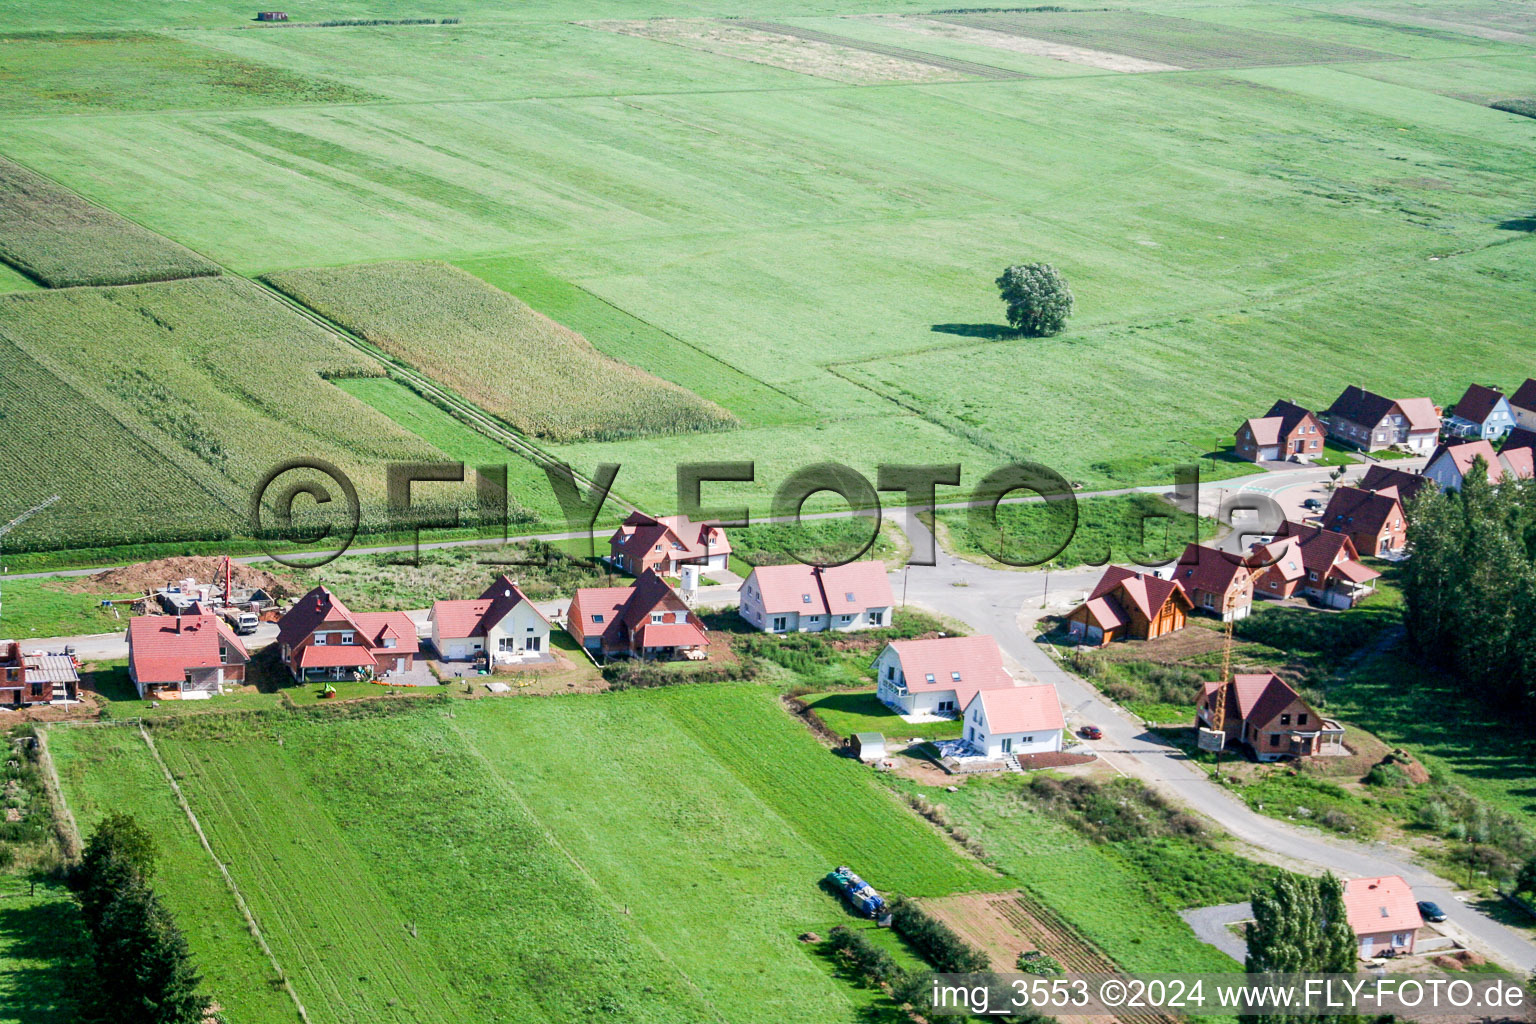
(389, 641)
(1301, 719)
(845, 619)
(875, 618)
(319, 639)
(657, 616)
(1285, 719)
(780, 623)
(1274, 739)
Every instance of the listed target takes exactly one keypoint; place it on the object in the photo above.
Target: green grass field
(1323, 198)
(846, 712)
(1135, 527)
(50, 608)
(649, 855)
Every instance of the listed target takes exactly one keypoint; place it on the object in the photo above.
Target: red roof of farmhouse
(813, 590)
(639, 534)
(164, 647)
(964, 664)
(1022, 709)
(1376, 905)
(464, 619)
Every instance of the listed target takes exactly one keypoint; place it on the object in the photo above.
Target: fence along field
(518, 859)
(52, 235)
(544, 379)
(157, 408)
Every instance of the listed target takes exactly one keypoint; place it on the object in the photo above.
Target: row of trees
(1470, 587)
(140, 970)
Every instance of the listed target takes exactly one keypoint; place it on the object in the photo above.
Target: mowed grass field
(1303, 198)
(648, 856)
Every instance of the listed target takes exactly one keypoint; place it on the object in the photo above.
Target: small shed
(271, 15)
(868, 746)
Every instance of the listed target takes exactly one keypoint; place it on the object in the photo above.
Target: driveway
(1213, 925)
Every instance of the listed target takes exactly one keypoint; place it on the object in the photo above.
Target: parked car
(1431, 911)
(1312, 504)
(1091, 732)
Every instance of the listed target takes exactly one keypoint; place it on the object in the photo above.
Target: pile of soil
(1416, 772)
(142, 576)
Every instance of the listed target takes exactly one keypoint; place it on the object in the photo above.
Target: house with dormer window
(938, 677)
(648, 620)
(798, 598)
(320, 638)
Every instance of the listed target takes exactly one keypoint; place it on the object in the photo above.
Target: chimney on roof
(178, 622)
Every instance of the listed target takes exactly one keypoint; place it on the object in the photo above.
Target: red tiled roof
(1376, 905)
(1282, 555)
(1381, 477)
(314, 608)
(1353, 510)
(1210, 570)
(597, 611)
(1021, 709)
(1266, 430)
(812, 590)
(639, 535)
(161, 648)
(1519, 438)
(630, 607)
(1289, 414)
(670, 634)
(1106, 614)
(1148, 593)
(1422, 413)
(1357, 572)
(375, 627)
(1257, 697)
(1462, 454)
(460, 620)
(1478, 403)
(1320, 549)
(1519, 463)
(977, 660)
(333, 656)
(1525, 396)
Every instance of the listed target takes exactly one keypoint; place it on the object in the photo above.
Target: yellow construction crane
(1218, 727)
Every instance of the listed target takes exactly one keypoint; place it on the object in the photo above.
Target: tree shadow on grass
(987, 332)
(44, 934)
(1527, 224)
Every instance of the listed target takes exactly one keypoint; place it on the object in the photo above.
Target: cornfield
(544, 379)
(156, 409)
(54, 236)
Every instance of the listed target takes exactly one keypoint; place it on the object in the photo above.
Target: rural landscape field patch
(521, 856)
(543, 378)
(51, 235)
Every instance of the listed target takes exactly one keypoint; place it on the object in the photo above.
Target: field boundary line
(234, 889)
(64, 819)
(554, 841)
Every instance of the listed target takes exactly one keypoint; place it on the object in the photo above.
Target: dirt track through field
(964, 67)
(1003, 925)
(1101, 59)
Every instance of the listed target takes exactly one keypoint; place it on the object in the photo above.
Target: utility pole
(28, 514)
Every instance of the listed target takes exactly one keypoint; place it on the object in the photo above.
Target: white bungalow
(1020, 720)
(799, 598)
(502, 621)
(939, 677)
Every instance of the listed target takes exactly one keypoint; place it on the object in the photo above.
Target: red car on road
(1091, 732)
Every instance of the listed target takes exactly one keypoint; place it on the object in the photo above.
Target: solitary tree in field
(1037, 298)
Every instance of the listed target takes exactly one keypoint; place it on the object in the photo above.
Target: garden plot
(846, 61)
(1102, 59)
(1163, 39)
(1505, 23)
